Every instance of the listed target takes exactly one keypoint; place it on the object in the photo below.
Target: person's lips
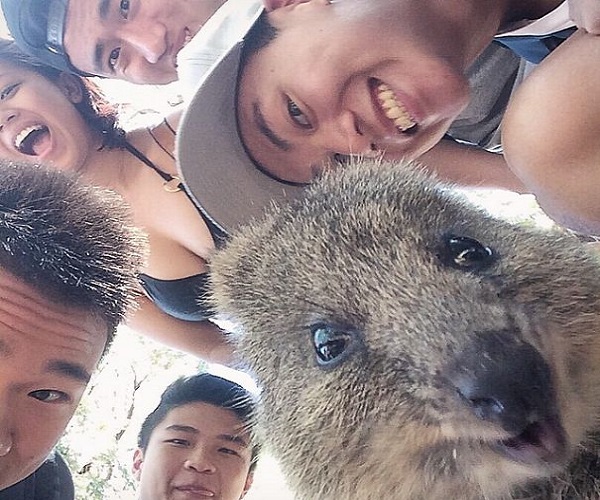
(33, 140)
(187, 36)
(183, 40)
(194, 490)
(392, 108)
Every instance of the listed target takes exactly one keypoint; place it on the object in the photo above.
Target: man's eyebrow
(103, 10)
(99, 58)
(263, 127)
(68, 369)
(183, 428)
(234, 439)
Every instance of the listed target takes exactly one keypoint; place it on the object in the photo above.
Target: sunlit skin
(47, 353)
(315, 86)
(554, 148)
(27, 99)
(133, 40)
(198, 451)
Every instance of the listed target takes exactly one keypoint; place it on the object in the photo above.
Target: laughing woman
(61, 120)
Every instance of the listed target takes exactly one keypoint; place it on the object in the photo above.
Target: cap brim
(219, 174)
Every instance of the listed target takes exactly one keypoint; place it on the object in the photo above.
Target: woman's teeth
(393, 109)
(26, 139)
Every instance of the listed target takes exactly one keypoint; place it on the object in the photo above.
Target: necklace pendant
(173, 185)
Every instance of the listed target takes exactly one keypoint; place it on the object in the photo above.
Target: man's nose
(199, 460)
(147, 38)
(347, 135)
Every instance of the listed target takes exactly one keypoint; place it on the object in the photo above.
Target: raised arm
(551, 133)
(199, 338)
(470, 166)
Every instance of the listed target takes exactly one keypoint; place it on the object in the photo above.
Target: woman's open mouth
(33, 140)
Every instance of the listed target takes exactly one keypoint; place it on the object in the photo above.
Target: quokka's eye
(333, 344)
(463, 252)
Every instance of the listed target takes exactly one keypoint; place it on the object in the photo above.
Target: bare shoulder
(174, 118)
(550, 133)
(159, 134)
(556, 109)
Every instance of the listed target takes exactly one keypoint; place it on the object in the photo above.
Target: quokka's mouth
(540, 443)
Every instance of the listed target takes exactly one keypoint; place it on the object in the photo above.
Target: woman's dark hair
(95, 109)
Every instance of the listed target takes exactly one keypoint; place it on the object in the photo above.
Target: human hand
(586, 15)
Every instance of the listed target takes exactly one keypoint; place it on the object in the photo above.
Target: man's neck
(474, 24)
(518, 10)
(483, 19)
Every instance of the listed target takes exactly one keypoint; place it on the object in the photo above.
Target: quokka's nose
(504, 382)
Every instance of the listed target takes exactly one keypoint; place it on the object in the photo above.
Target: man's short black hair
(38, 27)
(72, 243)
(202, 388)
(258, 37)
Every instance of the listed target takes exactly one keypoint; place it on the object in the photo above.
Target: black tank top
(183, 298)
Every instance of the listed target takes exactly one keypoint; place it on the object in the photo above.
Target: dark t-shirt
(52, 481)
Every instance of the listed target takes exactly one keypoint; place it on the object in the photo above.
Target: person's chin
(165, 75)
(9, 476)
(156, 76)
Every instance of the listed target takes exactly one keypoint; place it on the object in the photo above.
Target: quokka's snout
(507, 384)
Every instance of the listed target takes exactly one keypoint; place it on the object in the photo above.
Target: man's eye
(8, 91)
(113, 58)
(124, 8)
(297, 115)
(178, 442)
(50, 396)
(228, 451)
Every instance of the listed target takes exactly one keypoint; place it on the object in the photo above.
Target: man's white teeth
(393, 109)
(23, 134)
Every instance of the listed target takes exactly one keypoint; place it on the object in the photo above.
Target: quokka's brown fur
(459, 354)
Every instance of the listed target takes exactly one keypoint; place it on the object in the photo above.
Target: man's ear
(271, 5)
(138, 460)
(249, 480)
(71, 86)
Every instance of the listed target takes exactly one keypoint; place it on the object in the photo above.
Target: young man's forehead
(194, 417)
(73, 337)
(41, 361)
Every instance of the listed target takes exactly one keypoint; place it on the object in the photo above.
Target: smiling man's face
(133, 40)
(349, 78)
(47, 353)
(198, 451)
